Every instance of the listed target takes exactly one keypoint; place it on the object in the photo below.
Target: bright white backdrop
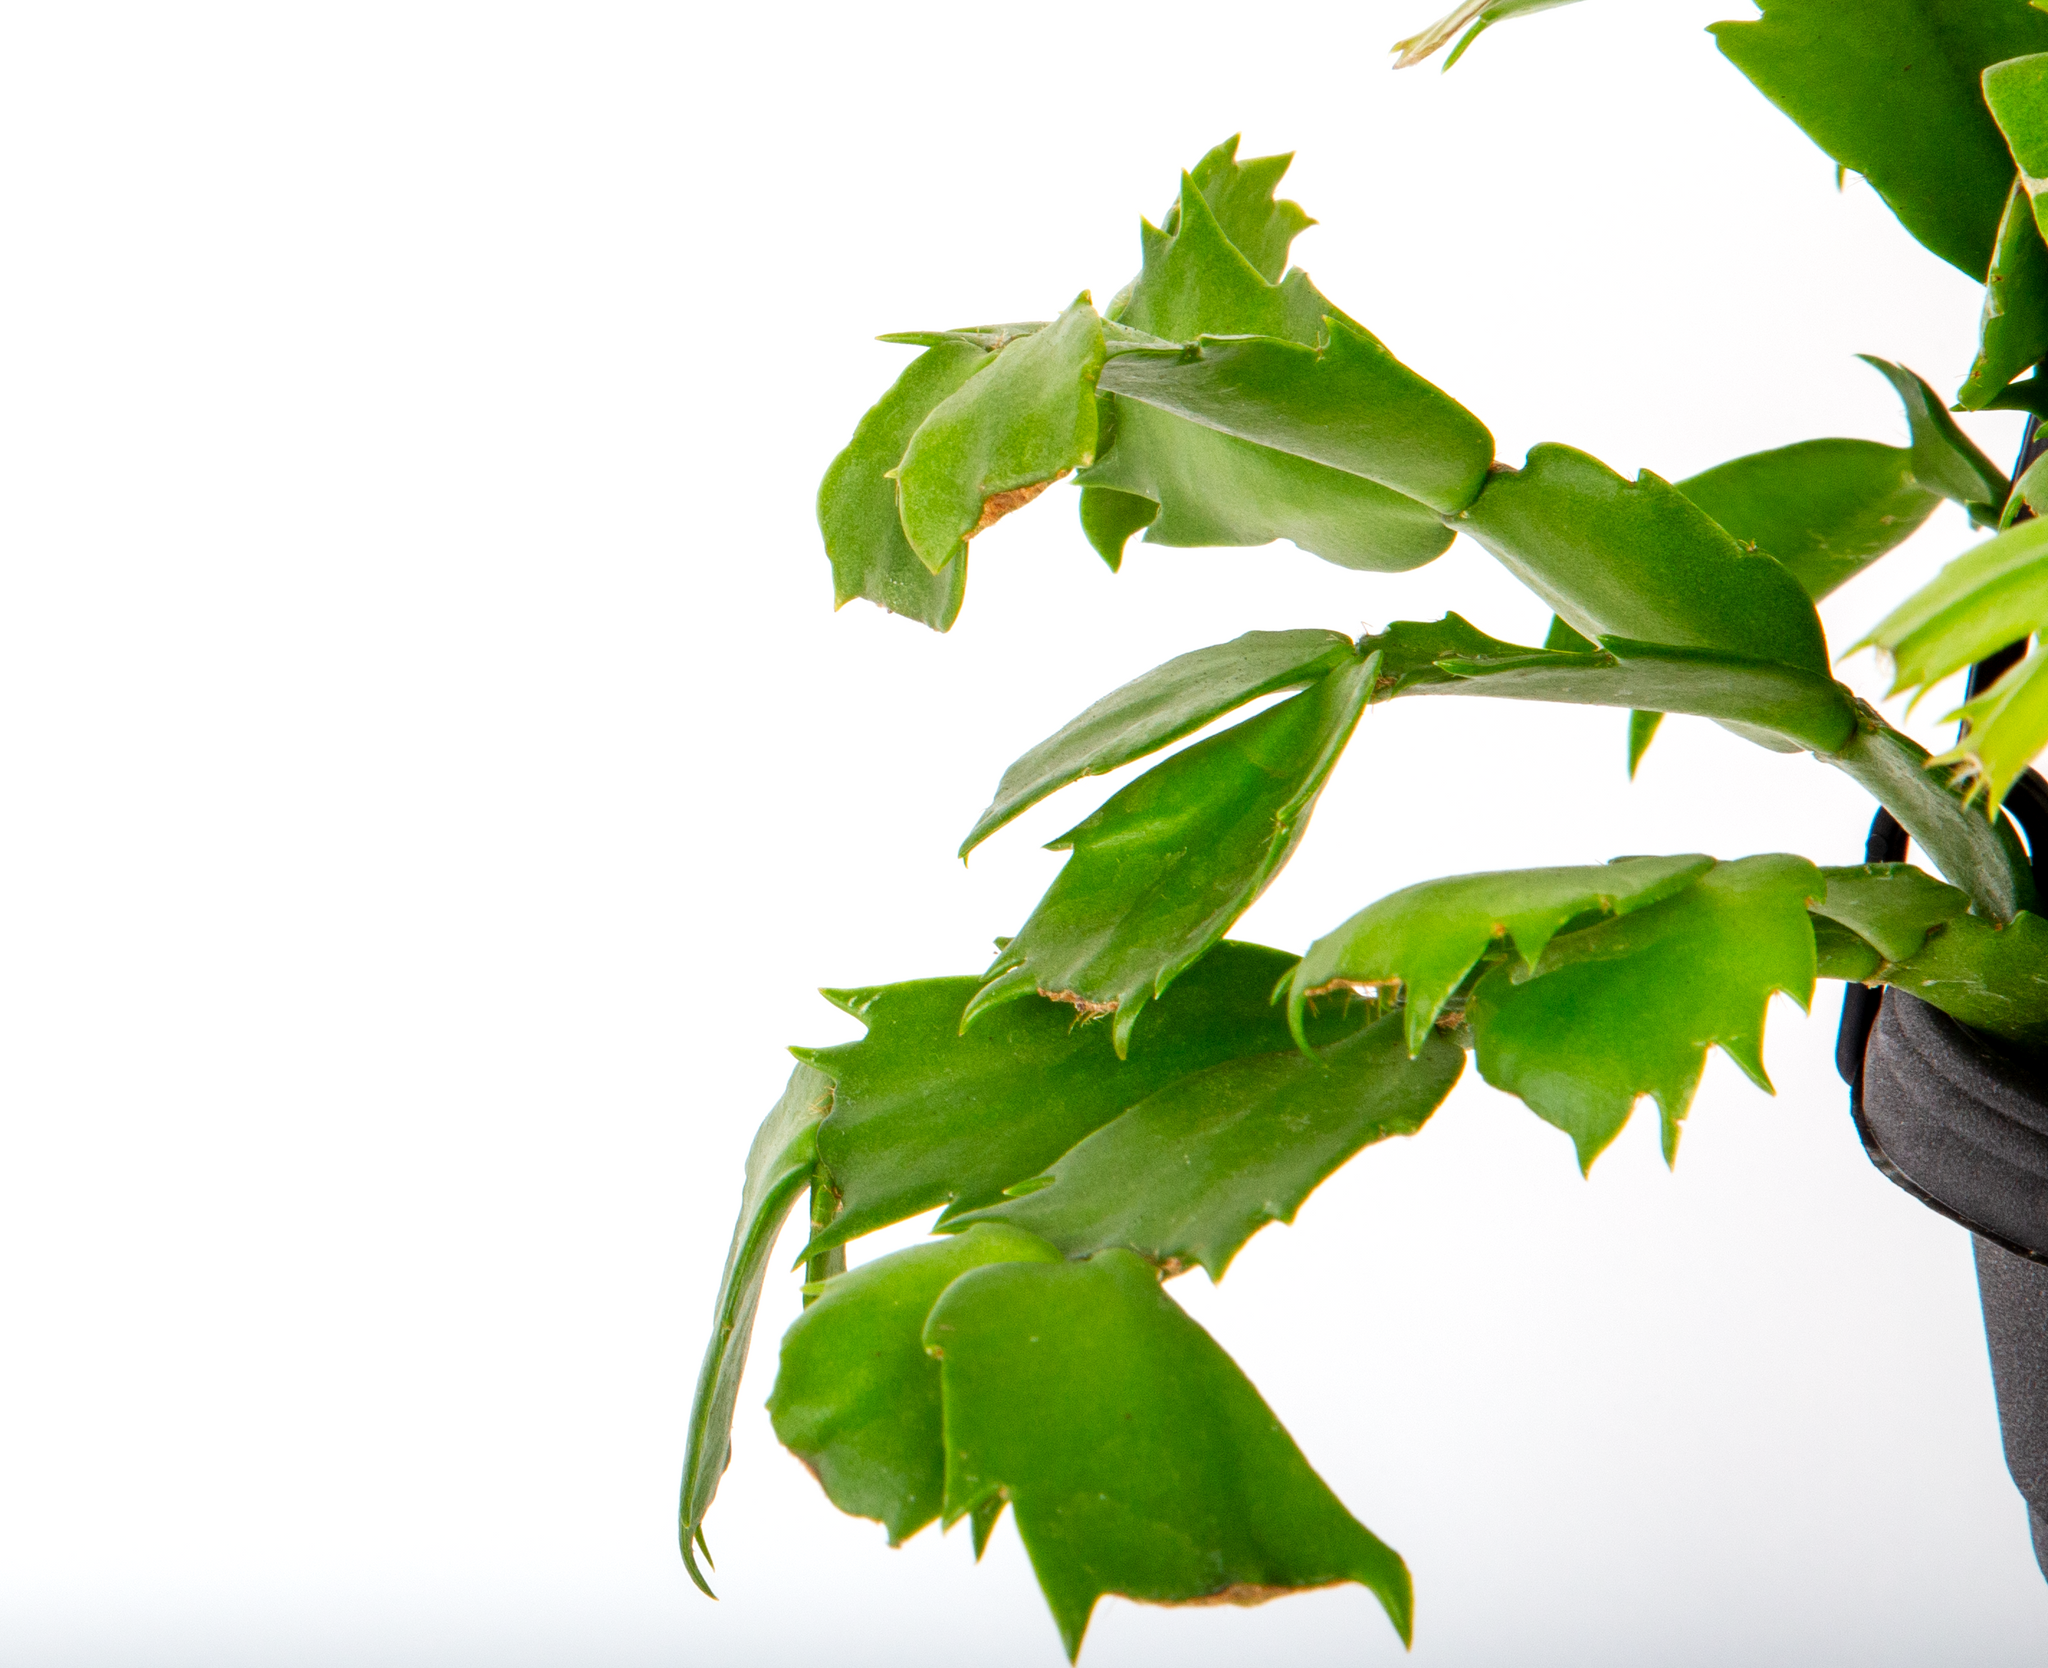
(435, 783)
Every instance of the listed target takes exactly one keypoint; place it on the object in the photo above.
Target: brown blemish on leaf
(1084, 1009)
(1371, 992)
(1242, 1593)
(994, 508)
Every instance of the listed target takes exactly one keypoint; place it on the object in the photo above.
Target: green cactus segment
(1992, 978)
(1642, 730)
(1260, 226)
(1892, 905)
(1945, 460)
(1160, 872)
(1426, 938)
(2007, 726)
(864, 536)
(779, 1166)
(2012, 331)
(1109, 516)
(2016, 94)
(925, 1115)
(857, 1398)
(1349, 404)
(1189, 1174)
(1022, 421)
(1639, 560)
(1135, 1455)
(1826, 509)
(1168, 702)
(1203, 487)
(1197, 282)
(1890, 89)
(1630, 1006)
(1984, 599)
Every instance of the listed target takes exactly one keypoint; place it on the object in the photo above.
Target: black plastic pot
(1962, 1125)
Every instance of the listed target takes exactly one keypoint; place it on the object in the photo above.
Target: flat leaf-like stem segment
(1138, 1459)
(1889, 88)
(1189, 1174)
(857, 1397)
(1168, 702)
(779, 1164)
(2016, 93)
(1427, 937)
(1160, 871)
(1196, 281)
(1481, 15)
(2006, 728)
(1639, 560)
(1260, 225)
(1982, 855)
(1826, 509)
(857, 499)
(1894, 906)
(924, 1114)
(1629, 1007)
(2012, 331)
(1022, 420)
(1945, 460)
(1350, 405)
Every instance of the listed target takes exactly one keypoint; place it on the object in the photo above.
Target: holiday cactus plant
(1126, 1093)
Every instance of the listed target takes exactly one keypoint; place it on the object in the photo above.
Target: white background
(435, 782)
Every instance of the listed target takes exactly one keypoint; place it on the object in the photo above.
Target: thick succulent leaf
(1190, 1174)
(1109, 516)
(857, 499)
(1161, 871)
(1481, 15)
(1642, 730)
(1986, 598)
(2007, 727)
(1168, 702)
(1629, 1006)
(1995, 979)
(1982, 855)
(1011, 428)
(1889, 88)
(857, 1399)
(1197, 282)
(1639, 560)
(1826, 509)
(1200, 486)
(1944, 458)
(779, 1165)
(1240, 194)
(1138, 1458)
(926, 1115)
(2012, 333)
(1350, 404)
(1427, 937)
(1891, 905)
(2016, 93)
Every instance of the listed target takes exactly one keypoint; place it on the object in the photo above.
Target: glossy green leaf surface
(1479, 15)
(1109, 516)
(1427, 937)
(1241, 195)
(1189, 1174)
(857, 1398)
(1639, 560)
(1826, 509)
(1889, 88)
(1205, 487)
(779, 1166)
(857, 500)
(1160, 872)
(1982, 855)
(2012, 331)
(925, 1114)
(1995, 979)
(2008, 728)
(1945, 460)
(1986, 598)
(1630, 1006)
(1349, 404)
(1892, 905)
(1136, 1456)
(1168, 702)
(1012, 427)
